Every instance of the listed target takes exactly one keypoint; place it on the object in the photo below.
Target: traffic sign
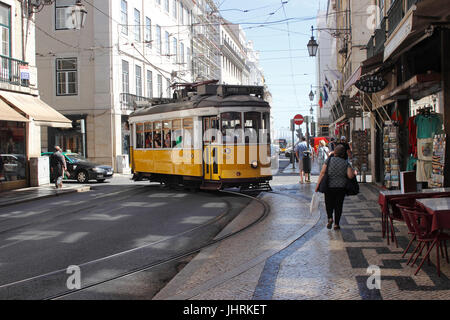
(298, 119)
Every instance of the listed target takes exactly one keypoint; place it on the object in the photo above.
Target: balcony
(371, 47)
(127, 100)
(13, 71)
(380, 37)
(395, 15)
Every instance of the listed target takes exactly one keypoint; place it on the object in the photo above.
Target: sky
(280, 30)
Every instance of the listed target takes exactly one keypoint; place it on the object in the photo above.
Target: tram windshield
(234, 130)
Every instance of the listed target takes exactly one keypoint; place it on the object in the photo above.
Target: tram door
(210, 148)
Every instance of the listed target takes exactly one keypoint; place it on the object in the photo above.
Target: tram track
(175, 257)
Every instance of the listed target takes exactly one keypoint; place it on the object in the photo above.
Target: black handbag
(323, 186)
(352, 187)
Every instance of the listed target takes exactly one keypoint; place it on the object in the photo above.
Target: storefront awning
(416, 26)
(417, 87)
(9, 114)
(38, 110)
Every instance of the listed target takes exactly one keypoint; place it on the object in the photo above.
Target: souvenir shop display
(360, 149)
(437, 176)
(422, 129)
(391, 155)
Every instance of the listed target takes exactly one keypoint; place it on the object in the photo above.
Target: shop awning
(417, 87)
(38, 110)
(9, 114)
(416, 26)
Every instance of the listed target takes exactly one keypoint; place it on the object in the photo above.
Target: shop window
(148, 128)
(139, 136)
(188, 133)
(252, 125)
(157, 139)
(231, 127)
(66, 76)
(177, 134)
(167, 143)
(12, 151)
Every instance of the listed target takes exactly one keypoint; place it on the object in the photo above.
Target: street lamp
(79, 14)
(312, 44)
(311, 95)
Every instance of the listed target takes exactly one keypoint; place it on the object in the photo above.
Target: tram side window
(157, 135)
(167, 139)
(177, 134)
(252, 124)
(148, 135)
(188, 133)
(139, 136)
(231, 127)
(266, 127)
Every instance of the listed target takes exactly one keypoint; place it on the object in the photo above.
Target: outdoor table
(439, 208)
(386, 195)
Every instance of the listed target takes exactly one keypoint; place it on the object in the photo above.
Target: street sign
(298, 119)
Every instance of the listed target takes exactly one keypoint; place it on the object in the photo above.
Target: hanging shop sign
(371, 84)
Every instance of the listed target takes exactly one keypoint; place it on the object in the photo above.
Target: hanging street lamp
(312, 44)
(79, 14)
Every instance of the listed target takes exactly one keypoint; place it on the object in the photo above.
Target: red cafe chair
(421, 221)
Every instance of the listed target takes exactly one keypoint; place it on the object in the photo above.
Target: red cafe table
(439, 208)
(386, 195)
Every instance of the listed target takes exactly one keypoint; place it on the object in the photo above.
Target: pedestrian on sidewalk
(339, 170)
(58, 164)
(299, 149)
(323, 153)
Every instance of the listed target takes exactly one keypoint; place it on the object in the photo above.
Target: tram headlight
(254, 164)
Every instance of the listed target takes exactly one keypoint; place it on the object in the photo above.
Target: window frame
(66, 72)
(124, 14)
(137, 25)
(138, 80)
(56, 15)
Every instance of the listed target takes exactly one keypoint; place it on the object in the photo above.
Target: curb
(55, 194)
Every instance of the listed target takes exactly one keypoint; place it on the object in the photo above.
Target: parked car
(82, 170)
(12, 167)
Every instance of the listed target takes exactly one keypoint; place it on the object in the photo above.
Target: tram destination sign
(371, 84)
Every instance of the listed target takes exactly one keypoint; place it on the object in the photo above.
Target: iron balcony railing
(14, 71)
(395, 15)
(127, 100)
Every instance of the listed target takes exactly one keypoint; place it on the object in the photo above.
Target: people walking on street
(323, 153)
(332, 144)
(58, 165)
(339, 170)
(348, 150)
(299, 149)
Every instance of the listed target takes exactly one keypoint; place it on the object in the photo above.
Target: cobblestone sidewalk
(267, 263)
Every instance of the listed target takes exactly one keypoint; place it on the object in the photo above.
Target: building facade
(22, 113)
(128, 51)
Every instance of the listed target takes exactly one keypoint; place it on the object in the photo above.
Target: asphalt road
(115, 228)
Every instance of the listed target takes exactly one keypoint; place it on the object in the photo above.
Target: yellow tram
(210, 137)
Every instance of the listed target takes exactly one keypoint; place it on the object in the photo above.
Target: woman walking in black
(339, 170)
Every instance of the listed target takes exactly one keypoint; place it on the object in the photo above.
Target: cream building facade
(128, 51)
(22, 113)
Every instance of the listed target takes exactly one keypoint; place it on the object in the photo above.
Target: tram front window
(231, 127)
(252, 122)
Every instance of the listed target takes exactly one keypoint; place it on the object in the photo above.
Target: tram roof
(207, 101)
